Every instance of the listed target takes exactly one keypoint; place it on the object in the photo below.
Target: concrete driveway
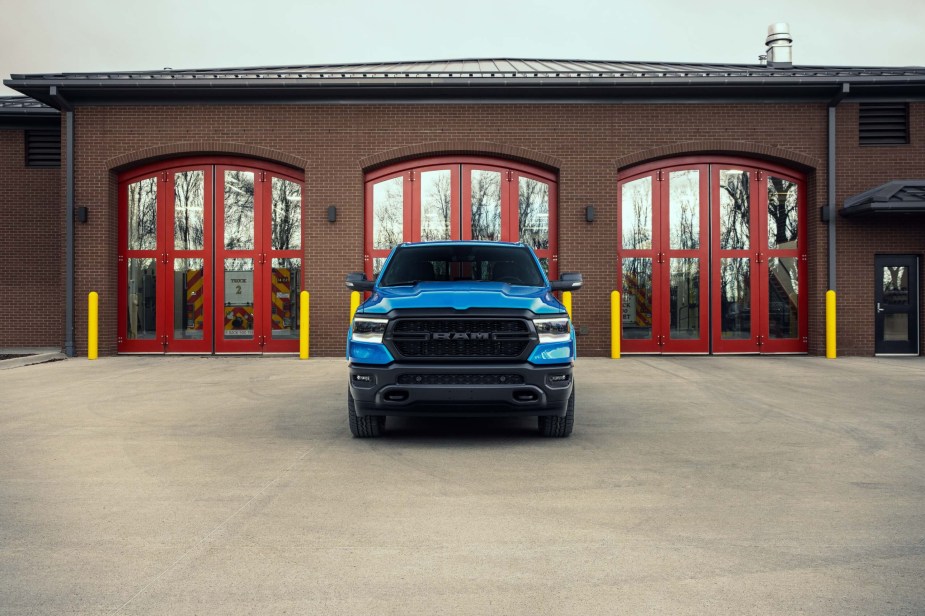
(692, 485)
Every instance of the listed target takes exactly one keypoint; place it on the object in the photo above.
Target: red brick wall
(859, 239)
(31, 235)
(590, 141)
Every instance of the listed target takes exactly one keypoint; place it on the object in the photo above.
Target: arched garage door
(712, 257)
(460, 198)
(210, 257)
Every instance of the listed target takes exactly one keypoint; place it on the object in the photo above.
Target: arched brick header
(462, 147)
(724, 147)
(198, 148)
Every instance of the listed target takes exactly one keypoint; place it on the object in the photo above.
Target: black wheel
(363, 427)
(559, 427)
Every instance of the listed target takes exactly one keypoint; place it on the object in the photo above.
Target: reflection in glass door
(182, 292)
(467, 198)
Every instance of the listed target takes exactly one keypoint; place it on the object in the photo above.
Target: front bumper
(454, 390)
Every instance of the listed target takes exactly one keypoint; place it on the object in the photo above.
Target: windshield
(472, 263)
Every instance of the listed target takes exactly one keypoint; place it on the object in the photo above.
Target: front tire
(363, 427)
(559, 427)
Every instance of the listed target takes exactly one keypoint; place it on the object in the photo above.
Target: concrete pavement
(692, 485)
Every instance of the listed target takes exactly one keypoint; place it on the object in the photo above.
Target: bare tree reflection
(388, 213)
(287, 215)
(637, 214)
(189, 223)
(734, 203)
(239, 210)
(486, 205)
(534, 213)
(782, 213)
(142, 215)
(436, 205)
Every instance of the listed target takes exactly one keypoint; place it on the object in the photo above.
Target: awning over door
(897, 197)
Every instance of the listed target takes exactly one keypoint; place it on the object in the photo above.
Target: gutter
(64, 105)
(830, 171)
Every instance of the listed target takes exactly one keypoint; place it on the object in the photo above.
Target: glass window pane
(735, 299)
(896, 327)
(637, 299)
(239, 210)
(239, 299)
(782, 213)
(436, 205)
(734, 203)
(378, 262)
(486, 205)
(685, 299)
(142, 215)
(286, 224)
(388, 213)
(534, 213)
(684, 209)
(636, 217)
(188, 280)
(142, 299)
(783, 298)
(286, 284)
(896, 286)
(188, 220)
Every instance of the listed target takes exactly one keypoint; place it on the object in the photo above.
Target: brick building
(199, 203)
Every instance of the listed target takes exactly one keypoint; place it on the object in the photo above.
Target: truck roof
(461, 243)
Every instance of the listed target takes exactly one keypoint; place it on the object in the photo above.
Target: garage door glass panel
(735, 299)
(188, 211)
(436, 205)
(783, 298)
(388, 213)
(239, 210)
(734, 210)
(684, 209)
(142, 215)
(285, 287)
(684, 291)
(637, 298)
(636, 201)
(533, 213)
(189, 308)
(486, 205)
(783, 218)
(239, 299)
(142, 299)
(286, 215)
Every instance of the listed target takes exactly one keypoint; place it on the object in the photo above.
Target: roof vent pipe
(779, 41)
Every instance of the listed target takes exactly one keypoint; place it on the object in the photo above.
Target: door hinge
(263, 176)
(805, 340)
(759, 175)
(509, 175)
(164, 340)
(366, 257)
(164, 176)
(659, 176)
(119, 339)
(758, 256)
(121, 259)
(555, 258)
(411, 176)
(760, 340)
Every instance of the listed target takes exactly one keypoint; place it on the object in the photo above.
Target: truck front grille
(460, 338)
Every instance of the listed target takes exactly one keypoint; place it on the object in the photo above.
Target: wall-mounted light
(81, 214)
(589, 213)
(332, 213)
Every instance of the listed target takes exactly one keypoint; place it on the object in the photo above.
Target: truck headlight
(553, 330)
(369, 330)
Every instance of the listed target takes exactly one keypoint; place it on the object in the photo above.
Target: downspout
(64, 105)
(830, 172)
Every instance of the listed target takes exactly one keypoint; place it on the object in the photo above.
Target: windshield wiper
(403, 283)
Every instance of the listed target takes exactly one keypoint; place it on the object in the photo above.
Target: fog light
(558, 378)
(363, 378)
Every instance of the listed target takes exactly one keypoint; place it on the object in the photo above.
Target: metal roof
(19, 112)
(502, 78)
(897, 197)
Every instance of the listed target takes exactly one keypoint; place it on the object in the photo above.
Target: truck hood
(462, 296)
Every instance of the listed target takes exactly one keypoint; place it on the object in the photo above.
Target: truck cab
(461, 329)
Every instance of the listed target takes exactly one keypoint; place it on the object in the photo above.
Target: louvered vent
(884, 124)
(43, 148)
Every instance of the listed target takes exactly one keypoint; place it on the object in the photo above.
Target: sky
(51, 36)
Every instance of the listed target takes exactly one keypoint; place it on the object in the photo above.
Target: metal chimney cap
(779, 32)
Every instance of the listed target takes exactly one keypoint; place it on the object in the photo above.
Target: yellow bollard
(615, 316)
(567, 302)
(93, 331)
(830, 324)
(304, 325)
(354, 304)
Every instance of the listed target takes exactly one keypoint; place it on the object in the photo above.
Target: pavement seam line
(221, 525)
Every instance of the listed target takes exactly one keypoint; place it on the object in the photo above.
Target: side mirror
(569, 281)
(357, 281)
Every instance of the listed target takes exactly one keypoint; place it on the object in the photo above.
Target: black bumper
(453, 390)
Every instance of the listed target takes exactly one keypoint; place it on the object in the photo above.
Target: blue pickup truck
(461, 329)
